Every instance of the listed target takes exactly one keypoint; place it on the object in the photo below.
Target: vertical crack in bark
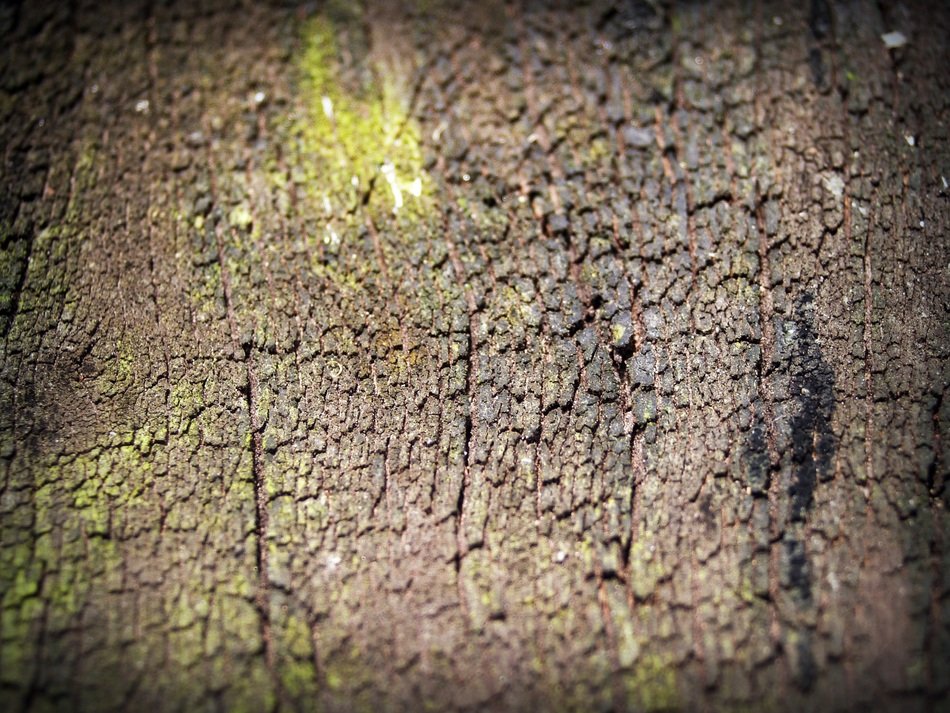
(936, 472)
(250, 391)
(466, 452)
(151, 53)
(931, 644)
(471, 379)
(868, 355)
(261, 514)
(767, 347)
(576, 262)
(637, 442)
(763, 456)
(683, 206)
(34, 686)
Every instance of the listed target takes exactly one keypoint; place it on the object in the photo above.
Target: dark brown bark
(473, 356)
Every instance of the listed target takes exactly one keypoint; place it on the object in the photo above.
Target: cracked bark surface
(637, 402)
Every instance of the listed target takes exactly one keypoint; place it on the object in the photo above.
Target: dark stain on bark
(629, 17)
(819, 19)
(811, 394)
(799, 576)
(812, 390)
(806, 670)
(817, 66)
(757, 455)
(820, 23)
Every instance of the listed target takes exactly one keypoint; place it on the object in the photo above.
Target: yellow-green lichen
(645, 566)
(356, 144)
(652, 685)
(84, 177)
(12, 253)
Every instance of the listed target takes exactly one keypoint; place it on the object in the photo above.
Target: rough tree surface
(448, 355)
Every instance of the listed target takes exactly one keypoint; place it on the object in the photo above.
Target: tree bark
(474, 356)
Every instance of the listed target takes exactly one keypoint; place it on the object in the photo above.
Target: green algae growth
(359, 147)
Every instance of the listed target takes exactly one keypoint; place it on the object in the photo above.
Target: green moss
(12, 253)
(676, 24)
(119, 372)
(297, 678)
(348, 281)
(334, 679)
(355, 143)
(84, 178)
(252, 691)
(652, 685)
(645, 568)
(617, 332)
(239, 217)
(598, 150)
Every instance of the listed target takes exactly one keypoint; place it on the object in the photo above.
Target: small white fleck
(327, 107)
(910, 139)
(94, 89)
(389, 173)
(141, 106)
(945, 184)
(259, 97)
(835, 184)
(922, 224)
(560, 556)
(777, 21)
(415, 188)
(532, 138)
(331, 237)
(522, 199)
(327, 208)
(893, 40)
(333, 561)
(466, 177)
(355, 181)
(437, 134)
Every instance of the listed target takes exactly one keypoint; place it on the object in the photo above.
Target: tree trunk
(474, 356)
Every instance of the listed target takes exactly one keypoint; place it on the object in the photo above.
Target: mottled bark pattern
(641, 406)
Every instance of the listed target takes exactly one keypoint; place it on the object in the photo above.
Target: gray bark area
(644, 410)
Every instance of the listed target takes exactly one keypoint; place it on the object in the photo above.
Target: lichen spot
(359, 149)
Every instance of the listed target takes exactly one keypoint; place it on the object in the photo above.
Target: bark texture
(474, 356)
